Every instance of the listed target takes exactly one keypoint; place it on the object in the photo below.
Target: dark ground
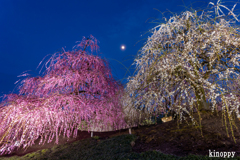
(167, 138)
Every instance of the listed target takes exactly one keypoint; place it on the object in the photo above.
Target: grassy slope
(118, 147)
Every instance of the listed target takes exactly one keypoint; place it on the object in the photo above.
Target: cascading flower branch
(182, 57)
(76, 87)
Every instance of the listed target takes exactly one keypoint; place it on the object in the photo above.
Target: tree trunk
(202, 103)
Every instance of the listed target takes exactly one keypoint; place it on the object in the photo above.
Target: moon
(123, 47)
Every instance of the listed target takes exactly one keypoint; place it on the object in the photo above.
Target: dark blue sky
(32, 29)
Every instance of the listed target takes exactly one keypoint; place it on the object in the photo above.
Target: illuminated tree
(182, 58)
(77, 88)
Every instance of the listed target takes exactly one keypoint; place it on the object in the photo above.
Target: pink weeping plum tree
(76, 87)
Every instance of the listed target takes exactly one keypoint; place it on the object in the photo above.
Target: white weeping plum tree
(182, 61)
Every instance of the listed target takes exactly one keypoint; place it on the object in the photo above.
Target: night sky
(33, 29)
